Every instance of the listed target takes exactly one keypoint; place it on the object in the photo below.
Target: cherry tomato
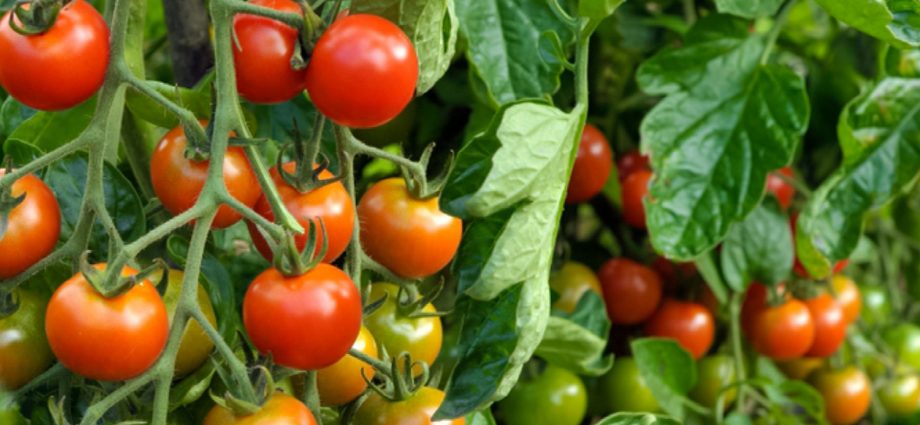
(782, 332)
(427, 239)
(24, 350)
(329, 204)
(262, 54)
(119, 338)
(800, 368)
(782, 190)
(178, 181)
(631, 162)
(715, 375)
(904, 339)
(61, 67)
(280, 409)
(830, 325)
(876, 307)
(624, 389)
(593, 163)
(32, 227)
(396, 332)
(634, 191)
(196, 345)
(847, 294)
(755, 299)
(10, 415)
(304, 322)
(631, 291)
(690, 324)
(571, 282)
(556, 397)
(342, 382)
(900, 396)
(846, 393)
(417, 409)
(362, 72)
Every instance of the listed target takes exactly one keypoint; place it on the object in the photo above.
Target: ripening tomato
(593, 163)
(690, 324)
(196, 345)
(411, 237)
(800, 368)
(178, 181)
(571, 282)
(61, 67)
(280, 409)
(846, 392)
(876, 306)
(780, 188)
(305, 322)
(362, 72)
(715, 377)
(900, 396)
(782, 332)
(904, 340)
(417, 409)
(830, 325)
(634, 191)
(555, 397)
(631, 291)
(107, 339)
(631, 162)
(343, 382)
(262, 54)
(397, 332)
(624, 390)
(32, 227)
(847, 294)
(24, 350)
(329, 204)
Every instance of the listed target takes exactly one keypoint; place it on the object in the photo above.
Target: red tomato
(61, 67)
(330, 204)
(631, 291)
(409, 236)
(782, 332)
(343, 382)
(691, 324)
(593, 163)
(848, 295)
(262, 55)
(107, 339)
(178, 181)
(755, 299)
(362, 72)
(847, 394)
(783, 191)
(280, 409)
(415, 410)
(631, 162)
(635, 189)
(830, 325)
(32, 229)
(304, 322)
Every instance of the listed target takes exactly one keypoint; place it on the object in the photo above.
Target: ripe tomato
(846, 393)
(847, 294)
(876, 307)
(715, 374)
(195, 346)
(396, 332)
(330, 204)
(24, 350)
(427, 239)
(691, 324)
(280, 409)
(32, 229)
(635, 189)
(800, 368)
(782, 332)
(593, 163)
(830, 325)
(178, 181)
(262, 55)
(417, 409)
(362, 72)
(624, 389)
(556, 397)
(76, 46)
(631, 162)
(571, 282)
(342, 382)
(304, 322)
(901, 395)
(119, 338)
(755, 299)
(783, 191)
(904, 339)
(631, 291)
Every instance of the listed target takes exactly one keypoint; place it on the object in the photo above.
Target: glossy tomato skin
(715, 374)
(329, 204)
(782, 332)
(634, 191)
(900, 396)
(846, 392)
(280, 409)
(876, 306)
(415, 410)
(904, 340)
(32, 229)
(411, 237)
(24, 350)
(61, 67)
(624, 389)
(783, 191)
(136, 319)
(593, 163)
(571, 282)
(631, 162)
(177, 180)
(195, 345)
(362, 72)
(262, 55)
(631, 291)
(556, 397)
(847, 295)
(690, 324)
(830, 325)
(421, 337)
(305, 322)
(342, 382)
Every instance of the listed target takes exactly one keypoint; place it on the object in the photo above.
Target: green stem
(43, 161)
(734, 308)
(311, 393)
(882, 60)
(778, 25)
(282, 215)
(290, 19)
(347, 163)
(95, 412)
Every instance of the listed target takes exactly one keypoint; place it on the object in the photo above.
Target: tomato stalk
(734, 312)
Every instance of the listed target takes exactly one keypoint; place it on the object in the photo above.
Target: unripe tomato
(280, 409)
(571, 282)
(631, 291)
(782, 190)
(904, 339)
(24, 350)
(634, 191)
(715, 374)
(32, 227)
(800, 368)
(900, 396)
(396, 332)
(196, 345)
(342, 382)
(624, 389)
(690, 324)
(417, 409)
(846, 392)
(556, 397)
(631, 162)
(262, 54)
(593, 163)
(782, 332)
(830, 325)
(847, 294)
(876, 307)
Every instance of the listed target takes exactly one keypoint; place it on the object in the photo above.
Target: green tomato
(876, 306)
(10, 416)
(901, 396)
(195, 346)
(24, 349)
(713, 374)
(904, 340)
(625, 390)
(556, 397)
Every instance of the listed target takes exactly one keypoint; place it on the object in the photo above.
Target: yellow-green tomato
(556, 397)
(24, 350)
(901, 396)
(398, 332)
(625, 390)
(571, 282)
(195, 346)
(715, 375)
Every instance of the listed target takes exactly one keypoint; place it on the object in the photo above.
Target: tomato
(304, 322)
(396, 332)
(846, 393)
(690, 324)
(631, 291)
(847, 294)
(76, 47)
(755, 299)
(24, 350)
(624, 389)
(556, 397)
(329, 204)
(782, 190)
(631, 162)
(634, 191)
(280, 409)
(830, 325)
(342, 382)
(9, 415)
(800, 368)
(417, 409)
(196, 345)
(571, 282)
(593, 163)
(904, 339)
(362, 72)
(409, 236)
(262, 54)
(782, 332)
(876, 307)
(178, 181)
(107, 339)
(32, 229)
(900, 396)
(715, 375)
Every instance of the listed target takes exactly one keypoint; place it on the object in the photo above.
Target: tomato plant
(263, 53)
(830, 325)
(624, 390)
(593, 163)
(397, 330)
(715, 376)
(571, 282)
(691, 324)
(24, 350)
(782, 332)
(631, 291)
(556, 396)
(635, 191)
(31, 228)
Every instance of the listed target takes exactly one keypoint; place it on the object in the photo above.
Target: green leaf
(892, 21)
(12, 114)
(20, 151)
(480, 417)
(749, 8)
(668, 370)
(197, 100)
(758, 248)
(192, 387)
(577, 341)
(598, 9)
(626, 418)
(49, 130)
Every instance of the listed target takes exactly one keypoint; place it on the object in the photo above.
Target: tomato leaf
(12, 114)
(598, 9)
(480, 417)
(758, 248)
(668, 370)
(192, 387)
(577, 341)
(892, 21)
(749, 8)
(49, 130)
(20, 151)
(626, 418)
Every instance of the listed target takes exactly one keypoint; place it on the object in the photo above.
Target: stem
(882, 60)
(43, 161)
(292, 20)
(347, 163)
(734, 307)
(311, 393)
(778, 25)
(282, 215)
